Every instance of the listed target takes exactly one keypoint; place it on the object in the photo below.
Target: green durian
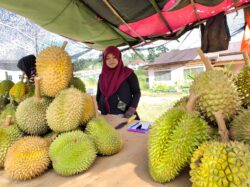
(78, 84)
(107, 140)
(8, 135)
(65, 112)
(17, 92)
(240, 128)
(172, 140)
(31, 116)
(243, 85)
(10, 109)
(5, 87)
(72, 152)
(221, 164)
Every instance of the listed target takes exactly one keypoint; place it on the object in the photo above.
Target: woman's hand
(130, 112)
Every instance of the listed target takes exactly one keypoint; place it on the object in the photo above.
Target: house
(177, 68)
(9, 66)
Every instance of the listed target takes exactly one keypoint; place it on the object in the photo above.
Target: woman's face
(111, 61)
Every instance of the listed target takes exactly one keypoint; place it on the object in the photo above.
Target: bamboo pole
(7, 121)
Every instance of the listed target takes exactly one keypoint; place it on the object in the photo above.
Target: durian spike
(37, 88)
(205, 60)
(6, 75)
(224, 134)
(64, 45)
(95, 106)
(7, 121)
(191, 102)
(246, 58)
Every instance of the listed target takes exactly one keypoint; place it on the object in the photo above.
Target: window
(162, 75)
(190, 73)
(10, 77)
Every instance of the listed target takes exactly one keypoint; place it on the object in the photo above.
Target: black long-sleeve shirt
(129, 93)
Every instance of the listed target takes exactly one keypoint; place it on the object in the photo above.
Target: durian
(9, 133)
(66, 111)
(172, 141)
(243, 85)
(17, 92)
(217, 93)
(77, 83)
(182, 102)
(5, 87)
(55, 68)
(72, 152)
(221, 164)
(10, 109)
(89, 109)
(240, 129)
(27, 158)
(31, 113)
(107, 140)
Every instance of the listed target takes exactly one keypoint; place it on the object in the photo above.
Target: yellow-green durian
(172, 141)
(55, 68)
(66, 111)
(107, 140)
(221, 165)
(72, 152)
(27, 158)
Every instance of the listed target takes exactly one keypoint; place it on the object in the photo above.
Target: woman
(28, 66)
(118, 89)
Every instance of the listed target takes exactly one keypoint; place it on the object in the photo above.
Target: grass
(152, 104)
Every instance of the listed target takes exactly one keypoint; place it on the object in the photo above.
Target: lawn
(152, 105)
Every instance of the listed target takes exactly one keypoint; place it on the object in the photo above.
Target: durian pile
(207, 131)
(54, 125)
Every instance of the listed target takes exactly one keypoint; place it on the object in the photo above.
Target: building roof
(186, 55)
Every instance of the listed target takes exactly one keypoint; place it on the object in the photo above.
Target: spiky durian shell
(230, 74)
(89, 110)
(172, 141)
(240, 129)
(78, 83)
(17, 91)
(55, 69)
(182, 102)
(31, 116)
(9, 110)
(66, 110)
(27, 158)
(243, 85)
(217, 93)
(221, 164)
(5, 87)
(72, 152)
(8, 135)
(107, 140)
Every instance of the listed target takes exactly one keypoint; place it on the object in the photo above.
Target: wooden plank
(127, 168)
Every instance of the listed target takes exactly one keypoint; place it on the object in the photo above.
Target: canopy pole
(195, 10)
(154, 4)
(111, 8)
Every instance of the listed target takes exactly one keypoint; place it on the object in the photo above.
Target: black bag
(215, 35)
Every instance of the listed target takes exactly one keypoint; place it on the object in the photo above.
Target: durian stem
(22, 76)
(224, 134)
(205, 60)
(246, 59)
(7, 121)
(64, 45)
(95, 106)
(6, 75)
(191, 102)
(37, 88)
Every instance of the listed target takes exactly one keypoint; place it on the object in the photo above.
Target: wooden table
(128, 168)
